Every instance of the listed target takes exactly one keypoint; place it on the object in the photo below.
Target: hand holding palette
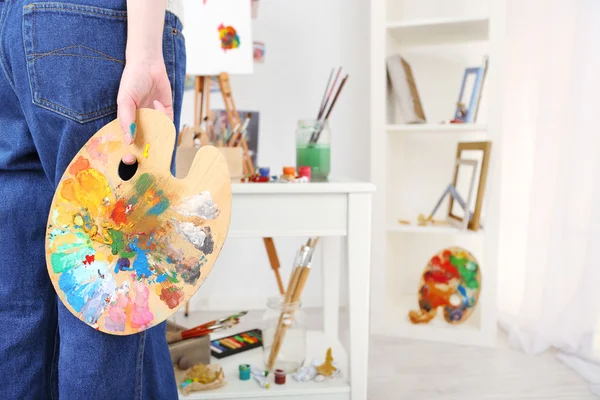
(123, 256)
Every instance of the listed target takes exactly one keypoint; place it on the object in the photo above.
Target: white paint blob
(455, 300)
(192, 233)
(200, 205)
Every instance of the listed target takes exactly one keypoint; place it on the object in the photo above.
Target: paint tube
(258, 371)
(262, 381)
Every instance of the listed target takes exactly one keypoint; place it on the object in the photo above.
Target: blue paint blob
(132, 130)
(86, 289)
(161, 278)
(140, 264)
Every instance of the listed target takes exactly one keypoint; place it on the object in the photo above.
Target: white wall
(304, 40)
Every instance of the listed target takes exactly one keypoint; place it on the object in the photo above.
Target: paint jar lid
(264, 171)
(304, 171)
(289, 171)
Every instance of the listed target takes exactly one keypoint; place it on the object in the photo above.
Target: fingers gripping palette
(123, 256)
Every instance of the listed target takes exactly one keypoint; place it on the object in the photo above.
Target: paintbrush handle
(287, 313)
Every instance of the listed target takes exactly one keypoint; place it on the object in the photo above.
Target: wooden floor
(416, 370)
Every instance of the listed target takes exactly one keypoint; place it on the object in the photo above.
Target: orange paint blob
(79, 165)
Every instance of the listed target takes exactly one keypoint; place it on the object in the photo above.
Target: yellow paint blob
(146, 150)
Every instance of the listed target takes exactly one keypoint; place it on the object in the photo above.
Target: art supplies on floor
(236, 344)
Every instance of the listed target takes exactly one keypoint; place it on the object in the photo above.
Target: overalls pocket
(69, 46)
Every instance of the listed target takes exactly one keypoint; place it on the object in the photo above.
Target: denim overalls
(60, 68)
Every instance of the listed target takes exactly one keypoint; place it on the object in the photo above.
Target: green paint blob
(472, 284)
(132, 129)
(144, 183)
(128, 254)
(62, 262)
(458, 261)
(118, 243)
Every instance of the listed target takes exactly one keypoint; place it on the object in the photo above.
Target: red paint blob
(118, 215)
(89, 259)
(172, 298)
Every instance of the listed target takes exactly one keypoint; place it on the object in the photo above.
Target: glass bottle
(313, 148)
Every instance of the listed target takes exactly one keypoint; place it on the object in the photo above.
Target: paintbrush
(242, 131)
(222, 320)
(174, 337)
(323, 100)
(322, 125)
(292, 296)
(198, 330)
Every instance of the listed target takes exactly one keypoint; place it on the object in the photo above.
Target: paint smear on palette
(87, 288)
(141, 316)
(116, 315)
(229, 38)
(200, 237)
(111, 250)
(99, 146)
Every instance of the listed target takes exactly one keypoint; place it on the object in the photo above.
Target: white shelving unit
(412, 164)
(443, 30)
(436, 128)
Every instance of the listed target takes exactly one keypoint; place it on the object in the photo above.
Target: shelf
(439, 229)
(436, 128)
(436, 31)
(317, 344)
(467, 333)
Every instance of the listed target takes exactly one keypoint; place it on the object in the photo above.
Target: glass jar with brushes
(313, 148)
(291, 351)
(284, 333)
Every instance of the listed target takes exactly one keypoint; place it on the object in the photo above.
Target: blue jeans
(60, 67)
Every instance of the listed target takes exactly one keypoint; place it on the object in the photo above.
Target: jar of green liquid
(313, 148)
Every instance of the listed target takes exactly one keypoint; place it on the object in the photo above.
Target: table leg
(331, 285)
(359, 262)
(274, 261)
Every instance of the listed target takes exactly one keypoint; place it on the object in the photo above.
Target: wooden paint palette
(451, 280)
(123, 256)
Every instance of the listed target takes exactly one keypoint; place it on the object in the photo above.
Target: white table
(329, 210)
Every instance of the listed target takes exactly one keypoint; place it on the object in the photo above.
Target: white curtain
(549, 271)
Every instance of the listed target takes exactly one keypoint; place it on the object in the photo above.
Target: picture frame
(480, 152)
(469, 96)
(457, 194)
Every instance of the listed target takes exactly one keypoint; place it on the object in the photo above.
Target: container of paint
(279, 377)
(313, 148)
(289, 174)
(244, 372)
(304, 171)
(292, 352)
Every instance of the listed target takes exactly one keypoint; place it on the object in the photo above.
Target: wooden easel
(201, 109)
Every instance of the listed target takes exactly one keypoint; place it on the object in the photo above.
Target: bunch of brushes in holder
(330, 96)
(292, 295)
(216, 131)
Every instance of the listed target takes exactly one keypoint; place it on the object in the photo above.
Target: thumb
(168, 111)
(126, 114)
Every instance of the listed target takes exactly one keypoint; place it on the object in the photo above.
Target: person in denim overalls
(67, 69)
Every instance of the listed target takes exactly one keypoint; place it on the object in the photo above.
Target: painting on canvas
(218, 37)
